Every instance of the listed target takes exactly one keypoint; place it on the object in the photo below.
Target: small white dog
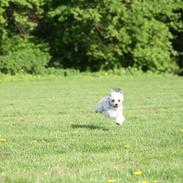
(112, 106)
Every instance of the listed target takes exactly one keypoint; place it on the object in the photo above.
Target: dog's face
(115, 98)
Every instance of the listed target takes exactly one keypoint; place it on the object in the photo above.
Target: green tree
(107, 34)
(91, 35)
(20, 51)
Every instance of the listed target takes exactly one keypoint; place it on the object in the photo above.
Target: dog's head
(115, 97)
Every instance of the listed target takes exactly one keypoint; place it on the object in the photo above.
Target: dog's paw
(120, 119)
(98, 111)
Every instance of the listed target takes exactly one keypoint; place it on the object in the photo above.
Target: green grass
(53, 134)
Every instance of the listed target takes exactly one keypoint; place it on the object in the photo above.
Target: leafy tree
(94, 35)
(20, 51)
(107, 34)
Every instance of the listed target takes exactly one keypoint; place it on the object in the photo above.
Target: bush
(91, 35)
(111, 34)
(19, 17)
(19, 51)
(21, 55)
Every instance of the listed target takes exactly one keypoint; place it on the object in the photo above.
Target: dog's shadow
(90, 127)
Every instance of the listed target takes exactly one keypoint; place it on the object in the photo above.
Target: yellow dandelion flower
(126, 146)
(144, 181)
(2, 139)
(137, 173)
(110, 181)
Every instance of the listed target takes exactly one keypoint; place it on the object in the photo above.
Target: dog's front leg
(120, 119)
(99, 108)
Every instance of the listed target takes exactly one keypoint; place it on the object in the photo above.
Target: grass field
(49, 131)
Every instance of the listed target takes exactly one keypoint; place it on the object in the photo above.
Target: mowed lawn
(49, 131)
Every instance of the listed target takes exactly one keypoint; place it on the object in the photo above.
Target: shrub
(18, 17)
(110, 34)
(19, 52)
(92, 35)
(22, 55)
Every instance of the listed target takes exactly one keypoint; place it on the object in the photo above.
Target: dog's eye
(113, 100)
(119, 100)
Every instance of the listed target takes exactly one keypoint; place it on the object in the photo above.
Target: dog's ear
(116, 90)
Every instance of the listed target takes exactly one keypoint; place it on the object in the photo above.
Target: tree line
(91, 35)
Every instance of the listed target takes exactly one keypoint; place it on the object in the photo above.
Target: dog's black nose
(115, 105)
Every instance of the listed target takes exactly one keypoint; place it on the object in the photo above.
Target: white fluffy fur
(112, 106)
